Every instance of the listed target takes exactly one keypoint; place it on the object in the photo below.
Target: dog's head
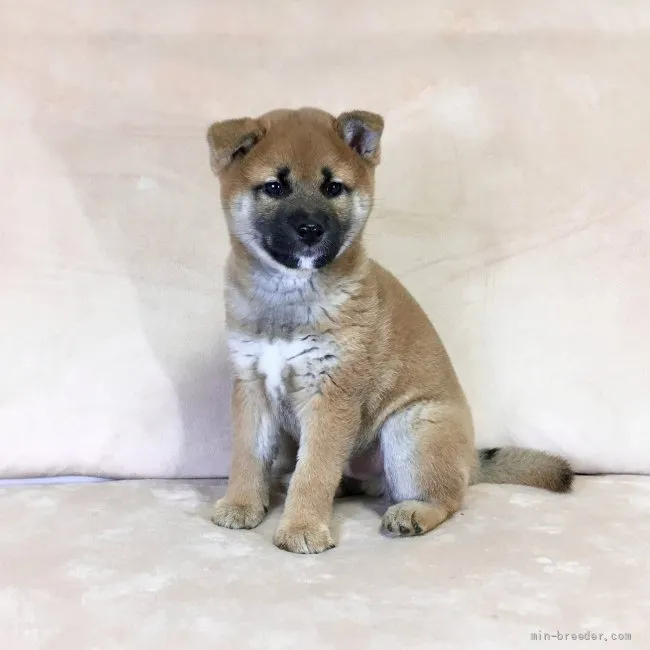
(297, 185)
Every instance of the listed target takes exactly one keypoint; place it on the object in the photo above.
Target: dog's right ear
(231, 139)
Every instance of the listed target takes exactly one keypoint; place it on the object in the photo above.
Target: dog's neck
(281, 303)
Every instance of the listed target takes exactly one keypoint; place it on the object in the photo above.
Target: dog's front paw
(231, 515)
(304, 538)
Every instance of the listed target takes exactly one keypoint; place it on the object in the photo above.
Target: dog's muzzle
(302, 238)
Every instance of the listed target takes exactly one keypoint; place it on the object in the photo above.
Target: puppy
(330, 353)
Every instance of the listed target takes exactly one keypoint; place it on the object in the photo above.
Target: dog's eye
(274, 189)
(333, 189)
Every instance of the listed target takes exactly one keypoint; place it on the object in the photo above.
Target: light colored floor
(138, 565)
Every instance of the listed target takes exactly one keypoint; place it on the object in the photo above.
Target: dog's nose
(310, 228)
(310, 233)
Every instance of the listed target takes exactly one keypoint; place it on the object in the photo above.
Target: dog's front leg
(329, 430)
(255, 443)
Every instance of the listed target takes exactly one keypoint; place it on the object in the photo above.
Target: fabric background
(513, 201)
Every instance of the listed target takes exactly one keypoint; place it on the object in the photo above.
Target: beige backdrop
(514, 201)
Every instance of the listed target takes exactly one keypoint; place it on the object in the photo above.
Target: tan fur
(341, 359)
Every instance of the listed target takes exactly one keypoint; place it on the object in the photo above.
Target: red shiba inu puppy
(330, 353)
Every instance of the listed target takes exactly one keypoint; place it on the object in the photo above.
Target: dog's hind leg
(428, 452)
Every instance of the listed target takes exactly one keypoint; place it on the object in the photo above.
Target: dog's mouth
(308, 242)
(298, 257)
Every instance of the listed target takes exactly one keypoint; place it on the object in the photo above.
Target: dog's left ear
(362, 132)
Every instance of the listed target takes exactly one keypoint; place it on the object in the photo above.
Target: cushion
(512, 201)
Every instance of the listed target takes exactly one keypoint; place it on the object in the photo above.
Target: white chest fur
(286, 366)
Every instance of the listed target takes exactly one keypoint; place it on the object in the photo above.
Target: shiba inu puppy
(331, 355)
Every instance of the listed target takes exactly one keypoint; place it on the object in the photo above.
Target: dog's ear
(230, 140)
(362, 132)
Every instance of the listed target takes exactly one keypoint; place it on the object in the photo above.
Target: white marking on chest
(305, 360)
(273, 361)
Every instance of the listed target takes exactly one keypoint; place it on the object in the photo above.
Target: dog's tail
(523, 467)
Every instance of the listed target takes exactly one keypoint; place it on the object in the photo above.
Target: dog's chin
(308, 260)
(287, 260)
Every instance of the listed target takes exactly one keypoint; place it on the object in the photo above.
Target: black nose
(310, 228)
(310, 233)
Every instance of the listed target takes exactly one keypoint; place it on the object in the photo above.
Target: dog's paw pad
(304, 539)
(230, 515)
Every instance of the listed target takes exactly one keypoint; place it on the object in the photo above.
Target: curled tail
(523, 467)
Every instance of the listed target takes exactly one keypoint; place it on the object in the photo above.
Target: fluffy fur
(332, 357)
